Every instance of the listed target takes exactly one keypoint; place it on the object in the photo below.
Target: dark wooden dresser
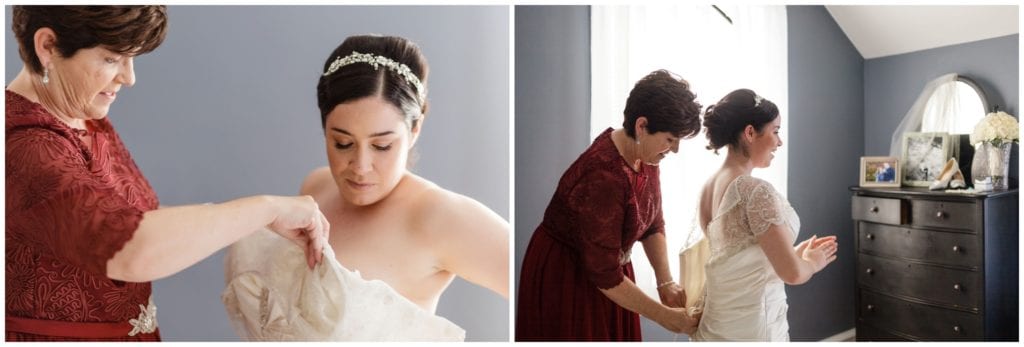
(935, 266)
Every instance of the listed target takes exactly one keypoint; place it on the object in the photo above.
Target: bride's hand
(818, 252)
(672, 295)
(298, 219)
(816, 242)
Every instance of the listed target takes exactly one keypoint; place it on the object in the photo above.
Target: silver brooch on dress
(376, 61)
(146, 323)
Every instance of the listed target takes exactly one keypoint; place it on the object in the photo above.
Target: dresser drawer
(944, 214)
(920, 321)
(956, 288)
(879, 210)
(866, 332)
(923, 245)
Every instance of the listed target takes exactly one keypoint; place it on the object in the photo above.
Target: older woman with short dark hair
(84, 231)
(577, 277)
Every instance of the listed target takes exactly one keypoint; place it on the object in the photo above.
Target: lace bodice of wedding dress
(272, 295)
(744, 300)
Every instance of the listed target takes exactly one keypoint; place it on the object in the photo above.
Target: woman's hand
(298, 218)
(692, 323)
(818, 252)
(672, 295)
(676, 320)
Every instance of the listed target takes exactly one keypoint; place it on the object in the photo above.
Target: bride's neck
(736, 161)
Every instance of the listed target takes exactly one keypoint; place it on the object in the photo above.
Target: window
(715, 57)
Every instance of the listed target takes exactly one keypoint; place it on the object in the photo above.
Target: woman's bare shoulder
(442, 213)
(317, 181)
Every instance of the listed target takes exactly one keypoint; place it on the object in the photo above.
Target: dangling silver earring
(46, 76)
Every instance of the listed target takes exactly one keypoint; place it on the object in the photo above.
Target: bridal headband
(376, 61)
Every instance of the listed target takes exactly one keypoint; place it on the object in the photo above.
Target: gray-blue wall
(891, 84)
(226, 107)
(826, 137)
(552, 120)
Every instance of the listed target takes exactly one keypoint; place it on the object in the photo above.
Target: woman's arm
(171, 239)
(671, 294)
(471, 240)
(630, 297)
(796, 266)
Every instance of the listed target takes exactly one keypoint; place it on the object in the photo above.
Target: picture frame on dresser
(879, 172)
(922, 157)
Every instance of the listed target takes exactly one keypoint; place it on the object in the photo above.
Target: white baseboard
(848, 335)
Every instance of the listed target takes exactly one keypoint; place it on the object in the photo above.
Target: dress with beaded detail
(745, 300)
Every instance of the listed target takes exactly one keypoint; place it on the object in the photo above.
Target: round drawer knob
(940, 214)
(874, 209)
(956, 287)
(871, 307)
(956, 328)
(871, 236)
(956, 249)
(870, 271)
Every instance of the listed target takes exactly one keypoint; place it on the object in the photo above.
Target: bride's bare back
(711, 195)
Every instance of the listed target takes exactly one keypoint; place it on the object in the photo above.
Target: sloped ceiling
(878, 31)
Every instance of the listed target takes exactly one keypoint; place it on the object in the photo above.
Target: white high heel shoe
(950, 176)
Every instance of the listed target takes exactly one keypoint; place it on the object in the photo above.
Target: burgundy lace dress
(599, 210)
(70, 207)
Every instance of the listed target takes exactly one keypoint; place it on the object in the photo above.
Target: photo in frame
(880, 172)
(923, 156)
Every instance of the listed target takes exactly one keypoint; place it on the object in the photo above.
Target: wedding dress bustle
(272, 295)
(736, 287)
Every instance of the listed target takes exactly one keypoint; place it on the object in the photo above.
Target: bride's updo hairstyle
(370, 65)
(725, 120)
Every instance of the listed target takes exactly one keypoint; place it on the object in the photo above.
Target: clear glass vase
(991, 166)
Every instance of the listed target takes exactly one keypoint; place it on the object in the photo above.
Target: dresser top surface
(925, 193)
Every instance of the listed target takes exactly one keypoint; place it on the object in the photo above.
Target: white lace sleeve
(763, 206)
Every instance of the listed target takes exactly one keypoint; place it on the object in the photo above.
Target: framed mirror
(955, 107)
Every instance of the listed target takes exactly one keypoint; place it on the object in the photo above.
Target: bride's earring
(46, 76)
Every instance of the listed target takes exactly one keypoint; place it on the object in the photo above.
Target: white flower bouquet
(996, 128)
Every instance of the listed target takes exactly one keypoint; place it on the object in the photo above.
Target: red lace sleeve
(56, 203)
(599, 200)
(658, 225)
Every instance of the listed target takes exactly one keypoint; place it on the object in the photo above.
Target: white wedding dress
(741, 297)
(272, 295)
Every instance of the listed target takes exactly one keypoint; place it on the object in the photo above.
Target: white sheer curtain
(939, 110)
(716, 57)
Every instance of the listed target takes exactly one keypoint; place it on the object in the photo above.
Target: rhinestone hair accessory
(757, 100)
(376, 61)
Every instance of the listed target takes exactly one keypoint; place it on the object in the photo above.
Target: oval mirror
(955, 107)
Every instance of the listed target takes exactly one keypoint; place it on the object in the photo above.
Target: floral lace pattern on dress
(70, 207)
(748, 207)
(602, 208)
